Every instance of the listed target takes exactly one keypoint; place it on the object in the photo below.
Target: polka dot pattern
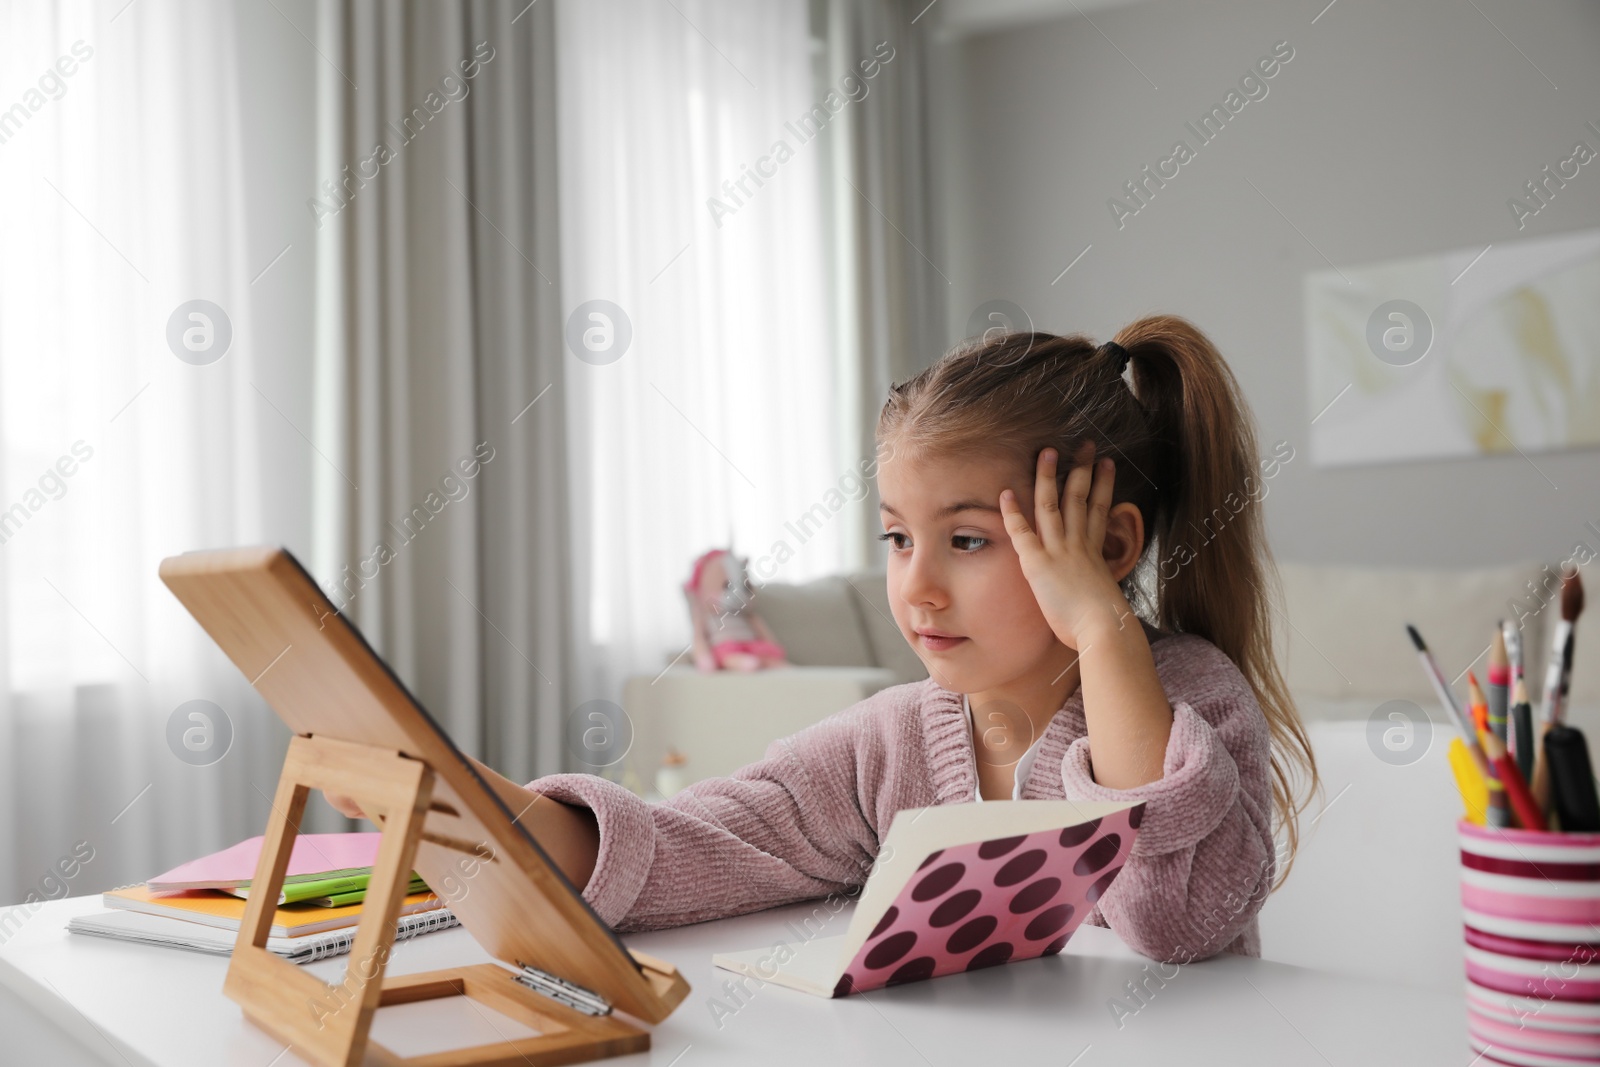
(1097, 855)
(953, 908)
(985, 903)
(937, 882)
(1021, 867)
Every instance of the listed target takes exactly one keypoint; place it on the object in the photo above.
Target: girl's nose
(921, 582)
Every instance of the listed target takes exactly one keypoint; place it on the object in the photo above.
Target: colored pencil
(1499, 682)
(1474, 790)
(1522, 728)
(1475, 701)
(1497, 810)
(1522, 804)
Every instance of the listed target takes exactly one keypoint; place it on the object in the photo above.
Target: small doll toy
(728, 633)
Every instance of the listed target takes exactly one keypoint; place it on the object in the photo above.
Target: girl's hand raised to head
(1062, 554)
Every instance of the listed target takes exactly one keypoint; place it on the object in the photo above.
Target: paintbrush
(1557, 668)
(1499, 682)
(1567, 635)
(1571, 606)
(1487, 751)
(1513, 640)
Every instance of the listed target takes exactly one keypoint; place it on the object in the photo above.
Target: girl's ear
(1124, 541)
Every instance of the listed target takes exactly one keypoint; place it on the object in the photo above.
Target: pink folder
(960, 887)
(313, 855)
(1010, 899)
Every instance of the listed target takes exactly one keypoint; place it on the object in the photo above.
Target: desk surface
(146, 1006)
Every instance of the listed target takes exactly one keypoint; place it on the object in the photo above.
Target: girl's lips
(939, 644)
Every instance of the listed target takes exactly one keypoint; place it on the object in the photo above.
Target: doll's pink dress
(734, 635)
(730, 632)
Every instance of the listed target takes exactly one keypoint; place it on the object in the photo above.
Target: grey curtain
(889, 284)
(440, 366)
(441, 324)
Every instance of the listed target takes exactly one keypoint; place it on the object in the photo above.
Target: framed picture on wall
(1472, 352)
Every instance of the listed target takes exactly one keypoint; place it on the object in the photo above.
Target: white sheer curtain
(719, 418)
(123, 189)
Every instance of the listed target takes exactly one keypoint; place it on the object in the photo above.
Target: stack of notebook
(200, 904)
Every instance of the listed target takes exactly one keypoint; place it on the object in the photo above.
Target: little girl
(1097, 629)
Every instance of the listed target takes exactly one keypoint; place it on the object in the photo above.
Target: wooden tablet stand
(358, 731)
(328, 1025)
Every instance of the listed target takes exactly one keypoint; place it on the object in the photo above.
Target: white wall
(1396, 130)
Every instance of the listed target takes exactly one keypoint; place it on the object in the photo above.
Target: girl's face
(953, 570)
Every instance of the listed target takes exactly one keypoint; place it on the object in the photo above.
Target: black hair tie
(1121, 353)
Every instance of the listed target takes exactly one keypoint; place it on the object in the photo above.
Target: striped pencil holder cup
(1531, 919)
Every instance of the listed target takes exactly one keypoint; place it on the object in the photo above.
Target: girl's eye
(956, 540)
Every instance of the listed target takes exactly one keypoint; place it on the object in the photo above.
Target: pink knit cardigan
(807, 819)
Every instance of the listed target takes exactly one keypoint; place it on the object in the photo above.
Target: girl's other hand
(345, 805)
(1062, 554)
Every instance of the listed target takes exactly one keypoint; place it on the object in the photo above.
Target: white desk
(68, 999)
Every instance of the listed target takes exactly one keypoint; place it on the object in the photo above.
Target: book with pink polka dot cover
(958, 887)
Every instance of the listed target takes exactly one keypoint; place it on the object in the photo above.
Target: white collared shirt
(1024, 765)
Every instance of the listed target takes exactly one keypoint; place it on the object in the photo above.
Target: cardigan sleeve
(786, 828)
(1203, 861)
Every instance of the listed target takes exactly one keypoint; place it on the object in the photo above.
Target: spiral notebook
(180, 933)
(960, 887)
